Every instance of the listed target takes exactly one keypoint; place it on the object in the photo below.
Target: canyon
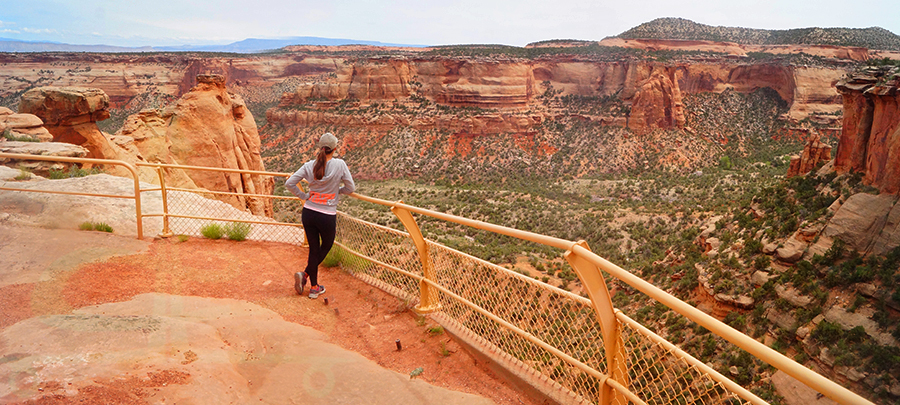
(668, 116)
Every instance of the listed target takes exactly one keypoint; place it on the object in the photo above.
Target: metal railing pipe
(213, 169)
(812, 379)
(131, 168)
(515, 233)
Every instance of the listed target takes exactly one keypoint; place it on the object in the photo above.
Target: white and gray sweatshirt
(323, 194)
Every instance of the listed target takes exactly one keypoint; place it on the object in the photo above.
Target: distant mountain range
(680, 28)
(250, 45)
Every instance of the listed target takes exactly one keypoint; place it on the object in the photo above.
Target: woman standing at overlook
(325, 175)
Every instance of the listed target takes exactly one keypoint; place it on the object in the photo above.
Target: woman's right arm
(291, 183)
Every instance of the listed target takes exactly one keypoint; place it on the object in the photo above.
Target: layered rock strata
(27, 126)
(870, 138)
(71, 115)
(652, 90)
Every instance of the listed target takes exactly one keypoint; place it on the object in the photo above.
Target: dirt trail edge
(96, 318)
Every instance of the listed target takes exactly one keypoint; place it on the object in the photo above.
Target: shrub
(333, 259)
(23, 175)
(10, 137)
(828, 333)
(212, 231)
(73, 171)
(237, 230)
(761, 262)
(95, 226)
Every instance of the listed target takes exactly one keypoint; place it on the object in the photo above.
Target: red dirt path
(358, 317)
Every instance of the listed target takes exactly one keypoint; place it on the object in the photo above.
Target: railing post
(166, 232)
(593, 281)
(428, 296)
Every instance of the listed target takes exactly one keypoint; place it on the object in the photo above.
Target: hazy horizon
(176, 23)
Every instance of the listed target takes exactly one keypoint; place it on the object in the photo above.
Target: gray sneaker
(316, 291)
(299, 281)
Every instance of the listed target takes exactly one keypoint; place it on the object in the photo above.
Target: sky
(414, 22)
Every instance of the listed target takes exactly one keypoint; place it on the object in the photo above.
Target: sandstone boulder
(23, 126)
(793, 296)
(66, 106)
(850, 320)
(867, 223)
(792, 251)
(42, 149)
(69, 113)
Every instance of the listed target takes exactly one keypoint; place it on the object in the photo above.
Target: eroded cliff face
(651, 90)
(870, 140)
(506, 84)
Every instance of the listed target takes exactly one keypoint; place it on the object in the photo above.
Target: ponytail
(319, 167)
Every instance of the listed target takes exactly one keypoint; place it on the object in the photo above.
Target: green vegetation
(95, 226)
(237, 230)
(591, 50)
(23, 175)
(435, 330)
(212, 231)
(7, 133)
(340, 257)
(73, 171)
(679, 28)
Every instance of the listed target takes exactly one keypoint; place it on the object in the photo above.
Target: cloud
(39, 30)
(9, 31)
(5, 23)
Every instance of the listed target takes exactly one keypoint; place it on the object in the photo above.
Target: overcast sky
(418, 22)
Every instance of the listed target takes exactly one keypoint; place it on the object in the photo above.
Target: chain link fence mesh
(558, 318)
(187, 207)
(659, 375)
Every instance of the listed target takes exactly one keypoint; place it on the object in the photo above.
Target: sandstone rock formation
(867, 223)
(207, 127)
(71, 115)
(22, 126)
(511, 83)
(870, 140)
(657, 104)
(40, 167)
(813, 153)
(171, 347)
(731, 48)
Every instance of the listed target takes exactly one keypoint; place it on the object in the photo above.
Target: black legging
(317, 225)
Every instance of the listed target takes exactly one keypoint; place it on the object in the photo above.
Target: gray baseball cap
(328, 141)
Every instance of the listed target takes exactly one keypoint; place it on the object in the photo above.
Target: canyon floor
(72, 300)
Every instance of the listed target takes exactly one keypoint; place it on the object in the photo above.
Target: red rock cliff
(653, 90)
(870, 139)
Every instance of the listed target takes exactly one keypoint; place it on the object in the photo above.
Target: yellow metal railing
(582, 349)
(131, 169)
